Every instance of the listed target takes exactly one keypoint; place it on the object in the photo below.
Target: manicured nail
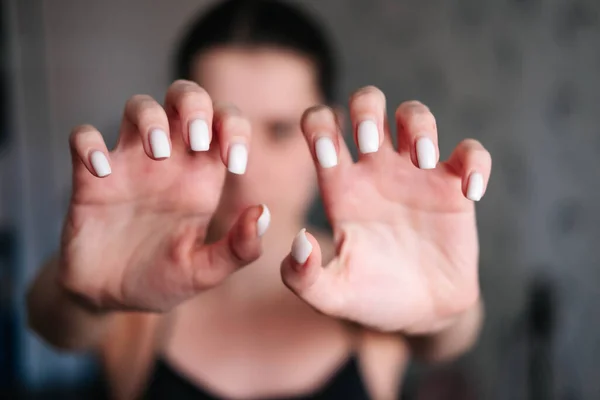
(100, 164)
(159, 143)
(238, 158)
(263, 221)
(426, 153)
(326, 152)
(199, 140)
(475, 187)
(368, 137)
(301, 247)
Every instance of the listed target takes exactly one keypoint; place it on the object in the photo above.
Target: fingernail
(238, 158)
(426, 153)
(159, 143)
(263, 221)
(301, 247)
(100, 164)
(199, 140)
(475, 187)
(368, 137)
(326, 152)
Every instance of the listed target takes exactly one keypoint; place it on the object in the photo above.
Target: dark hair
(256, 23)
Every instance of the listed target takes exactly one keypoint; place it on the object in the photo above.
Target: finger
(233, 132)
(89, 150)
(190, 109)
(240, 247)
(145, 119)
(473, 163)
(417, 134)
(367, 113)
(303, 274)
(323, 136)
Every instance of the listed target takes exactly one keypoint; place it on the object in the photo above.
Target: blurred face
(272, 88)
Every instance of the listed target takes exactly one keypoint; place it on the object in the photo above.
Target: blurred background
(522, 76)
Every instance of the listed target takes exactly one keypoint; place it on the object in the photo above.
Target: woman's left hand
(404, 224)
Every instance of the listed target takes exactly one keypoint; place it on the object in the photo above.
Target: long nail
(301, 247)
(475, 187)
(426, 153)
(263, 221)
(199, 140)
(368, 137)
(100, 163)
(159, 143)
(326, 152)
(237, 159)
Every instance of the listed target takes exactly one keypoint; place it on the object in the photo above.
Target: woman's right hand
(134, 236)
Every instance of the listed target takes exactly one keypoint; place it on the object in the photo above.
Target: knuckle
(195, 97)
(476, 152)
(83, 129)
(484, 156)
(368, 93)
(369, 90)
(183, 84)
(184, 88)
(415, 113)
(137, 100)
(414, 104)
(81, 134)
(141, 106)
(411, 108)
(148, 112)
(235, 124)
(224, 109)
(317, 113)
(472, 143)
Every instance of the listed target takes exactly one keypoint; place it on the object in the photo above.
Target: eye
(282, 130)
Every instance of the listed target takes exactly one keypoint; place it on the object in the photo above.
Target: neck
(280, 234)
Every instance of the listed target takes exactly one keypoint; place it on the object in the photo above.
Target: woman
(149, 273)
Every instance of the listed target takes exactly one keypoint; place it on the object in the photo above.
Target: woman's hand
(404, 224)
(134, 235)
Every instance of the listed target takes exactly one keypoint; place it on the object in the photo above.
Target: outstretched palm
(407, 249)
(135, 239)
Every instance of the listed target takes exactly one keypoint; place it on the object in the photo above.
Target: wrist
(452, 339)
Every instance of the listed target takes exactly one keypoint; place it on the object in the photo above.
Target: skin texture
(280, 171)
(156, 234)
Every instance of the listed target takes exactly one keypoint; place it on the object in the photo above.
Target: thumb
(241, 246)
(303, 274)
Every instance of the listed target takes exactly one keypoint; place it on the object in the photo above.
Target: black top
(166, 383)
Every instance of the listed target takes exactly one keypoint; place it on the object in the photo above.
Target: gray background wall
(522, 76)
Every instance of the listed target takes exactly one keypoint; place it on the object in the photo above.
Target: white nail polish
(199, 140)
(301, 247)
(263, 221)
(475, 187)
(237, 159)
(159, 143)
(326, 153)
(100, 164)
(426, 153)
(368, 137)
